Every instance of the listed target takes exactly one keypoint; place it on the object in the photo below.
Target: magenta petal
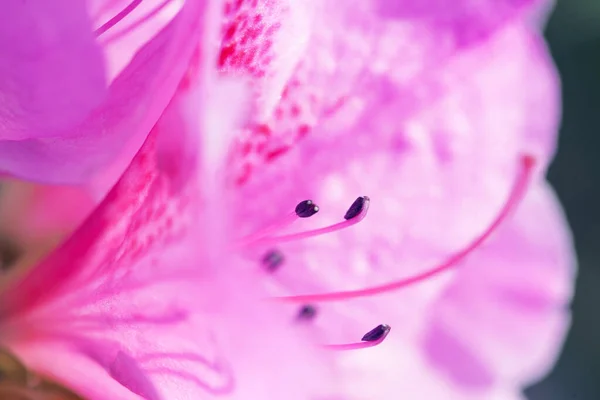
(509, 300)
(464, 23)
(109, 136)
(437, 169)
(356, 53)
(436, 152)
(135, 292)
(468, 20)
(265, 40)
(52, 69)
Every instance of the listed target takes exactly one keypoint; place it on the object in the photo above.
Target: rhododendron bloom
(342, 200)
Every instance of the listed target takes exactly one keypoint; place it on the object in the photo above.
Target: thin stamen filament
(137, 23)
(352, 346)
(117, 18)
(268, 230)
(516, 194)
(273, 240)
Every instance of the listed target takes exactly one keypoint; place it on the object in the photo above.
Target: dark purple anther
(306, 209)
(307, 312)
(379, 333)
(273, 260)
(356, 207)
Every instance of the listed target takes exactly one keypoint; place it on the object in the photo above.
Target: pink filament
(273, 240)
(352, 346)
(138, 22)
(117, 18)
(517, 192)
(268, 230)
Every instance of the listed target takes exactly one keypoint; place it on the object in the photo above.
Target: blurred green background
(574, 36)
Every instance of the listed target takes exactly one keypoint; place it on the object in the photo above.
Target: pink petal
(135, 294)
(143, 66)
(352, 45)
(265, 40)
(506, 313)
(398, 367)
(437, 156)
(436, 175)
(467, 20)
(52, 68)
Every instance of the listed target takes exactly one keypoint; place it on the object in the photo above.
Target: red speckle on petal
(249, 31)
(271, 155)
(303, 131)
(263, 130)
(243, 177)
(246, 36)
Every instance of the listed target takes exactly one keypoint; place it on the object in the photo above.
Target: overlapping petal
(353, 42)
(510, 299)
(52, 68)
(94, 96)
(135, 297)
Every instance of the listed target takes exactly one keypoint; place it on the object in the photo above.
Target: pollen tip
(306, 209)
(377, 334)
(357, 207)
(273, 259)
(307, 312)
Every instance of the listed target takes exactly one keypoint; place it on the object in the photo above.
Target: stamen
(356, 213)
(307, 312)
(356, 207)
(306, 209)
(272, 260)
(516, 194)
(117, 18)
(372, 338)
(377, 333)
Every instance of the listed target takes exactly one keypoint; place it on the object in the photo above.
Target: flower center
(356, 213)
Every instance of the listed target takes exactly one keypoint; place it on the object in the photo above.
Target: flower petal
(465, 20)
(397, 366)
(265, 40)
(52, 68)
(437, 157)
(136, 292)
(76, 147)
(437, 174)
(509, 300)
(351, 44)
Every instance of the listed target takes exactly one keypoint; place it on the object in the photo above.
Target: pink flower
(195, 278)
